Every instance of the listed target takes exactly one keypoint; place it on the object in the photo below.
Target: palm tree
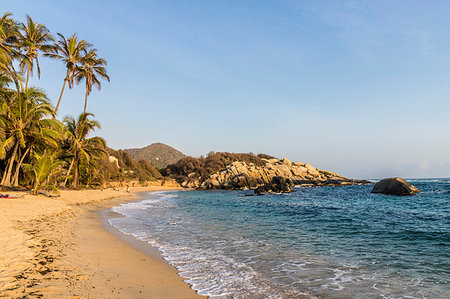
(82, 148)
(8, 39)
(25, 123)
(44, 169)
(33, 38)
(70, 52)
(90, 68)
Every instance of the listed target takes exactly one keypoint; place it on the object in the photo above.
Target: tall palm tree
(24, 120)
(33, 38)
(91, 67)
(8, 40)
(82, 148)
(70, 52)
(8, 30)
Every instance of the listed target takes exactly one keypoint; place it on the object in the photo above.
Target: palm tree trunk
(28, 77)
(68, 172)
(7, 182)
(13, 75)
(60, 96)
(85, 100)
(4, 174)
(35, 187)
(15, 181)
(75, 177)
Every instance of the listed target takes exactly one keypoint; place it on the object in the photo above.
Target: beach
(59, 247)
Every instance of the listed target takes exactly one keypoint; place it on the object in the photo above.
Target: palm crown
(8, 38)
(33, 38)
(70, 51)
(91, 66)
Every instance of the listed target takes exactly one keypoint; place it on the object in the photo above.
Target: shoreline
(104, 215)
(60, 247)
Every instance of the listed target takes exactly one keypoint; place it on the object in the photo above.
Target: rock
(286, 161)
(299, 171)
(261, 190)
(114, 160)
(278, 185)
(394, 186)
(283, 170)
(273, 161)
(252, 182)
(240, 181)
(240, 175)
(312, 170)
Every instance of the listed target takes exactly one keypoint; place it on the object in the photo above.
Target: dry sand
(58, 248)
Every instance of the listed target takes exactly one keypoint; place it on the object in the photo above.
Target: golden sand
(57, 248)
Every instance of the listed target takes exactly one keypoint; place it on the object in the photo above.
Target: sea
(323, 242)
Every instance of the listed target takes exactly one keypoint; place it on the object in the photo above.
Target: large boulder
(286, 161)
(312, 170)
(278, 185)
(394, 186)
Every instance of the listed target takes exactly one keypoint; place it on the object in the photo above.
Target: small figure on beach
(8, 196)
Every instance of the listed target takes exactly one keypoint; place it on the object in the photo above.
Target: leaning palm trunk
(15, 181)
(5, 173)
(60, 96)
(68, 172)
(7, 181)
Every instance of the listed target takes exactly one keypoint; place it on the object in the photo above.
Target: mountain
(158, 154)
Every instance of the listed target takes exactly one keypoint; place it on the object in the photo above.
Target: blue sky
(357, 87)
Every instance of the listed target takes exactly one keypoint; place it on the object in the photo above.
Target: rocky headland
(272, 175)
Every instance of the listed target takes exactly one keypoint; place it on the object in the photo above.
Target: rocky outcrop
(114, 161)
(394, 186)
(240, 175)
(277, 185)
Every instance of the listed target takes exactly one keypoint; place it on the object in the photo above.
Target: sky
(361, 88)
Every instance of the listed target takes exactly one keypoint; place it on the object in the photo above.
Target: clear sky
(357, 87)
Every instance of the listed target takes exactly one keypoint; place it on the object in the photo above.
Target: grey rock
(394, 186)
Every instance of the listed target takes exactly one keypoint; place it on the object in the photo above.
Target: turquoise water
(329, 242)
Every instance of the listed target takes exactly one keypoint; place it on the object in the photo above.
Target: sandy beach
(59, 248)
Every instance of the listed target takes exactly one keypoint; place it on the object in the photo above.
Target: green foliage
(82, 149)
(45, 169)
(32, 39)
(126, 168)
(90, 67)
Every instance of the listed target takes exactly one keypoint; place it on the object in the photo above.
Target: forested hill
(158, 154)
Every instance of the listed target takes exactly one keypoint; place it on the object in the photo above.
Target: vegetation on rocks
(199, 169)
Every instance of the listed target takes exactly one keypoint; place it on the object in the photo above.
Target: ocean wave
(129, 208)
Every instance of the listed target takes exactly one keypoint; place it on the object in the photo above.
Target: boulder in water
(394, 186)
(278, 185)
